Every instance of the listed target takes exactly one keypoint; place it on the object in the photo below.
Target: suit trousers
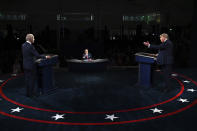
(167, 69)
(30, 81)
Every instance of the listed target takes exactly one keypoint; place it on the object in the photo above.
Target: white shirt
(28, 42)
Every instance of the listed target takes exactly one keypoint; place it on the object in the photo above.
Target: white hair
(29, 37)
(164, 35)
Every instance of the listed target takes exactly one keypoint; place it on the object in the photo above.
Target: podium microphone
(42, 48)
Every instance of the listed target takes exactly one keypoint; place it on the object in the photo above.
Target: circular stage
(100, 98)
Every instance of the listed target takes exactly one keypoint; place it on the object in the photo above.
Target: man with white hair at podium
(29, 56)
(164, 57)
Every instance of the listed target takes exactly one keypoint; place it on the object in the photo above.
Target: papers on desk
(38, 60)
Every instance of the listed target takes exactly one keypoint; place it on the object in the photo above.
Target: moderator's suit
(29, 56)
(86, 57)
(165, 59)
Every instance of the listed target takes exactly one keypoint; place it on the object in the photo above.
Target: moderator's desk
(77, 65)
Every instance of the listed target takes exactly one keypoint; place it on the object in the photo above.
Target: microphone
(42, 48)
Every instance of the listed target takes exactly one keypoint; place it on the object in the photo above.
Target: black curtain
(193, 61)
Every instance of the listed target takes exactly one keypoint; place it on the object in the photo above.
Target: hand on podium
(146, 43)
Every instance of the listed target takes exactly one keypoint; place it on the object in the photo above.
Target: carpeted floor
(102, 101)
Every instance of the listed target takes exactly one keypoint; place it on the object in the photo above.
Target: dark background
(109, 29)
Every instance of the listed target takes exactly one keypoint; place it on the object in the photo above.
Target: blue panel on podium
(45, 73)
(145, 61)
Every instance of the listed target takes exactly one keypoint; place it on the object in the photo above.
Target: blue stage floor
(102, 101)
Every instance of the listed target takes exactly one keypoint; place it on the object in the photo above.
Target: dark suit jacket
(29, 56)
(165, 54)
(88, 57)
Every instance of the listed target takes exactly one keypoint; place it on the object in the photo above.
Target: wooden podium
(145, 61)
(45, 74)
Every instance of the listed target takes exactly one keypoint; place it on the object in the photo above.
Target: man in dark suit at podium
(164, 57)
(29, 56)
(87, 55)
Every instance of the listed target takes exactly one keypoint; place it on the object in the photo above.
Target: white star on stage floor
(111, 117)
(57, 116)
(191, 90)
(18, 109)
(183, 100)
(174, 75)
(1, 81)
(156, 110)
(186, 81)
